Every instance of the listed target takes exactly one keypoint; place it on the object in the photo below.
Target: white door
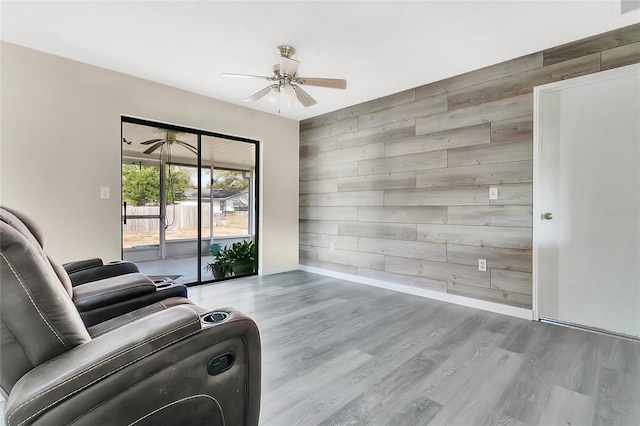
(587, 183)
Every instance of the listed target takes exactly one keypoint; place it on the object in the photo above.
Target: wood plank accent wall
(397, 189)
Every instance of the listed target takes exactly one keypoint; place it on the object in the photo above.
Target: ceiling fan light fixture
(284, 78)
(274, 95)
(290, 95)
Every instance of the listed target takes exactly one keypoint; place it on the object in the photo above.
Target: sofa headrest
(23, 224)
(16, 220)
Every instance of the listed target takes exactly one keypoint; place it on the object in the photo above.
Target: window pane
(181, 219)
(231, 202)
(141, 189)
(205, 199)
(137, 233)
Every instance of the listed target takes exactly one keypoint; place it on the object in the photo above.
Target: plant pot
(243, 268)
(219, 271)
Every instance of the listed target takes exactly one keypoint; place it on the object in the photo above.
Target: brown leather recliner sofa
(80, 271)
(170, 362)
(100, 292)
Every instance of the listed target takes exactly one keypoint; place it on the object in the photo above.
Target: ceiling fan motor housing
(171, 136)
(283, 78)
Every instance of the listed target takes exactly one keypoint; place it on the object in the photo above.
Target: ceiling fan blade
(333, 83)
(259, 94)
(153, 147)
(188, 146)
(304, 98)
(263, 77)
(150, 141)
(288, 66)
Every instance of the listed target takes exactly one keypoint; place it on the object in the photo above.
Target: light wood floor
(342, 353)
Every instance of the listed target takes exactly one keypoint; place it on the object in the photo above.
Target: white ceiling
(380, 47)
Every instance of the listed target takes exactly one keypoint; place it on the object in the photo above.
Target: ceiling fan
(285, 80)
(170, 138)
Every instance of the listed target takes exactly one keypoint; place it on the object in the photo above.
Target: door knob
(547, 216)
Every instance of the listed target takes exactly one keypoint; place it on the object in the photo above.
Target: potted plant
(220, 267)
(242, 256)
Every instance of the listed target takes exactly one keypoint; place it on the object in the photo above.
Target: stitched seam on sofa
(98, 379)
(33, 302)
(248, 364)
(106, 401)
(127, 322)
(114, 356)
(248, 380)
(116, 290)
(94, 381)
(179, 401)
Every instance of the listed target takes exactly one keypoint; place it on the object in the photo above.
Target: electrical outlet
(332, 245)
(493, 192)
(482, 265)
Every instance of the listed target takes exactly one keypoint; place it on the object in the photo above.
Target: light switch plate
(104, 193)
(493, 192)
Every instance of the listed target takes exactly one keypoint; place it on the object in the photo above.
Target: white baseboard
(497, 308)
(272, 271)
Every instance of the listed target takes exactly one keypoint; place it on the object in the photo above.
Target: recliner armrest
(83, 366)
(81, 265)
(136, 374)
(110, 291)
(99, 272)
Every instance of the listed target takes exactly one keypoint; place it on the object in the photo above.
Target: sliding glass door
(188, 201)
(141, 206)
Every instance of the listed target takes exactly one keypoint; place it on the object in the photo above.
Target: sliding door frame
(254, 213)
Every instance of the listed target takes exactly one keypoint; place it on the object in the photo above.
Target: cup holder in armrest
(214, 317)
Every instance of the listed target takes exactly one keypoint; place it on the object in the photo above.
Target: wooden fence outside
(179, 216)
